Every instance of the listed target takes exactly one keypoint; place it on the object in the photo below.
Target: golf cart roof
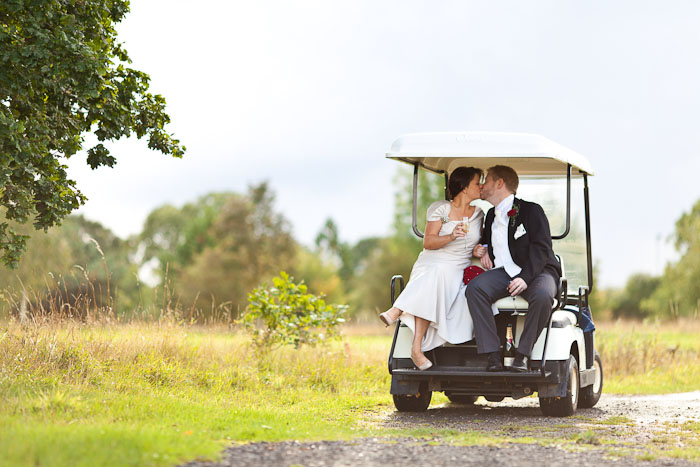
(527, 153)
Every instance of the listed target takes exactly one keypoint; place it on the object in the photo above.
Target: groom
(519, 260)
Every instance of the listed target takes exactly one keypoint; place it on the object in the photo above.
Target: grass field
(650, 358)
(158, 394)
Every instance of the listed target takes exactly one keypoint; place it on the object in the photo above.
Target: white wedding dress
(435, 291)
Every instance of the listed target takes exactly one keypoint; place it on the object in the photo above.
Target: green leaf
(62, 75)
(298, 318)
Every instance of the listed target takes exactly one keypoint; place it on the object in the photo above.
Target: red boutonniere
(513, 213)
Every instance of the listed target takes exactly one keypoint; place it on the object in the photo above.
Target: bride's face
(473, 190)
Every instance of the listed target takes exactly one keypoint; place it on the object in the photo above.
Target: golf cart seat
(512, 304)
(519, 305)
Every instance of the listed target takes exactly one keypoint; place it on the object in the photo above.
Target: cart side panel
(559, 346)
(402, 349)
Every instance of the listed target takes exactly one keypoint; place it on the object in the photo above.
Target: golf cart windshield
(550, 193)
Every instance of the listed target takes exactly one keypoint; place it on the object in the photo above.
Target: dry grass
(168, 354)
(163, 392)
(660, 357)
(630, 346)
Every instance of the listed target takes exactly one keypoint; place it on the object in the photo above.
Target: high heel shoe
(426, 364)
(387, 319)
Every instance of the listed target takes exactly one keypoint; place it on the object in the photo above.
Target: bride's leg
(416, 352)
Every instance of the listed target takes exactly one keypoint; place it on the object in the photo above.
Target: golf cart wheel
(414, 402)
(461, 398)
(494, 398)
(591, 394)
(564, 406)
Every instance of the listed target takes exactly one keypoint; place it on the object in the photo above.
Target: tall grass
(650, 357)
(81, 296)
(170, 354)
(163, 392)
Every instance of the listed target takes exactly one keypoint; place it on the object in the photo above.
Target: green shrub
(286, 314)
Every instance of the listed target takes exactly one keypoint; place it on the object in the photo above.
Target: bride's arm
(432, 240)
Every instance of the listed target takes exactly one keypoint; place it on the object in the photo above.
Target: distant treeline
(673, 294)
(200, 261)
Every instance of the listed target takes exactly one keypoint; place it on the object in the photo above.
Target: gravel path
(623, 428)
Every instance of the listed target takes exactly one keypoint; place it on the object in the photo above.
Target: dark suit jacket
(532, 251)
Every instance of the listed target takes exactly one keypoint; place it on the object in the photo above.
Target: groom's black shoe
(520, 363)
(495, 362)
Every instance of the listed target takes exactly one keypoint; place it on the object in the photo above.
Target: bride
(433, 304)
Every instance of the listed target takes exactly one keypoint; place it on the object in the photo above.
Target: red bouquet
(471, 272)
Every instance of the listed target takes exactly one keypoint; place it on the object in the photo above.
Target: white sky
(310, 95)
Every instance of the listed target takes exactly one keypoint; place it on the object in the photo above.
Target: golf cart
(565, 370)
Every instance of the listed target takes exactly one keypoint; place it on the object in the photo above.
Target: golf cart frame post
(529, 155)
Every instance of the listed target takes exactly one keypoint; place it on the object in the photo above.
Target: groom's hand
(516, 286)
(486, 262)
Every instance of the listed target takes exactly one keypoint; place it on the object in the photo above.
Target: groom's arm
(486, 232)
(540, 244)
(487, 259)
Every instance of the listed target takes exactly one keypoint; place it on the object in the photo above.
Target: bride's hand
(479, 251)
(458, 232)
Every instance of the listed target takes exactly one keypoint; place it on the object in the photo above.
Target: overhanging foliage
(63, 74)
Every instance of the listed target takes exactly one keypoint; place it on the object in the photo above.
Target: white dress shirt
(499, 237)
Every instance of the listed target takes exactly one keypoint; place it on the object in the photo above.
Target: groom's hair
(507, 174)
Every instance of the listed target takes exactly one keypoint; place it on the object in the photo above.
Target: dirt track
(620, 431)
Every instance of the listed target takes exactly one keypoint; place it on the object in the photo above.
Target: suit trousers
(490, 286)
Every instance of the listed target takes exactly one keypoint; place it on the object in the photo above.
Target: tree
(678, 293)
(629, 302)
(173, 236)
(220, 247)
(63, 74)
(332, 250)
(370, 290)
(320, 276)
(250, 244)
(78, 264)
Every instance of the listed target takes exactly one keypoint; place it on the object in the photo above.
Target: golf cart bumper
(405, 379)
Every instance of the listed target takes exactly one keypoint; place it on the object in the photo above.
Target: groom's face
(488, 187)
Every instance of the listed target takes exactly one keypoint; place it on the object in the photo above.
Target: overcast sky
(310, 95)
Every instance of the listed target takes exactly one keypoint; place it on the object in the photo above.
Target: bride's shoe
(424, 366)
(387, 318)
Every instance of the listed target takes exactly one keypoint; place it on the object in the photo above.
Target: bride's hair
(460, 178)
